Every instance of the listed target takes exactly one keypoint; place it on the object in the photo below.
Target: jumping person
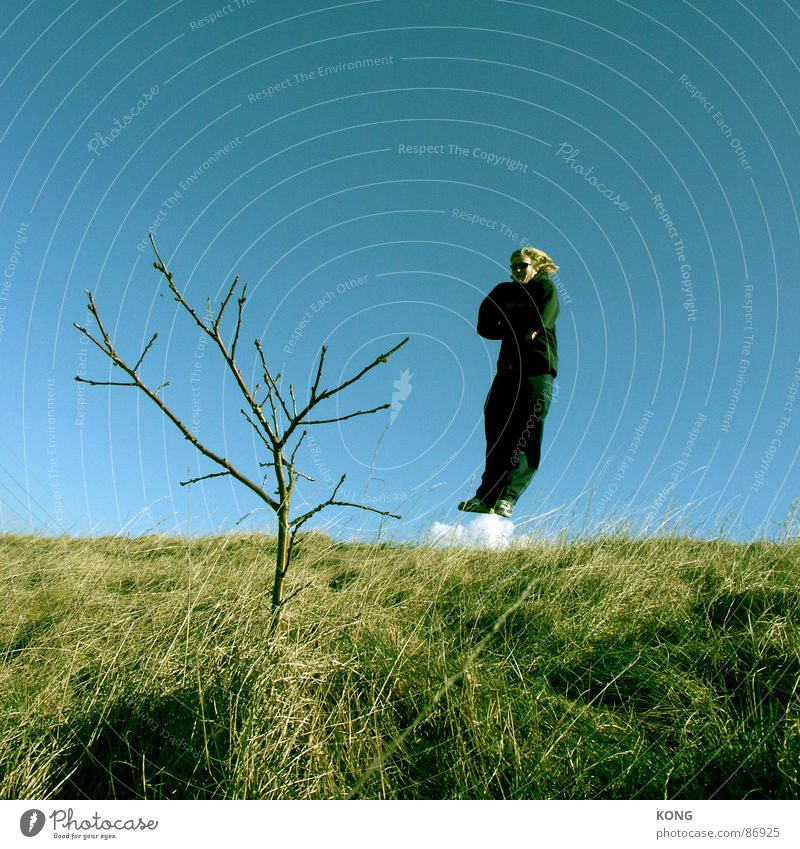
(522, 314)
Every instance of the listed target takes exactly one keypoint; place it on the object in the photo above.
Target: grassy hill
(614, 668)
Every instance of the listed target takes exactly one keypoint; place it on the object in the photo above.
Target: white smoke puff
(484, 531)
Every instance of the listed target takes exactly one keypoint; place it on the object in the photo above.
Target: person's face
(522, 269)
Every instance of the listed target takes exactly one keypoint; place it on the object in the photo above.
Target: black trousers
(514, 415)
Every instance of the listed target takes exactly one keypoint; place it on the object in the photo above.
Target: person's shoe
(474, 505)
(504, 508)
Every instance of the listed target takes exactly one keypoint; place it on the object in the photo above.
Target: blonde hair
(540, 260)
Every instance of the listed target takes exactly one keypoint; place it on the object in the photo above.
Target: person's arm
(548, 307)
(492, 324)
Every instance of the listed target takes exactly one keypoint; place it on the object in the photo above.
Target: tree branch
(314, 386)
(382, 358)
(146, 349)
(205, 477)
(316, 399)
(269, 433)
(102, 382)
(240, 382)
(256, 428)
(224, 304)
(296, 523)
(160, 266)
(89, 335)
(241, 303)
(299, 442)
(153, 395)
(292, 470)
(291, 595)
(93, 311)
(350, 416)
(271, 386)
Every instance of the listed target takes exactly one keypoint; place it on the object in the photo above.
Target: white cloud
(485, 530)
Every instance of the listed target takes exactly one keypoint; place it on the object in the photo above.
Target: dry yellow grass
(609, 668)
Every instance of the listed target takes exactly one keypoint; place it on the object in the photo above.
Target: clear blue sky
(367, 168)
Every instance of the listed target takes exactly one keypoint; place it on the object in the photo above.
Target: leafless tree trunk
(275, 426)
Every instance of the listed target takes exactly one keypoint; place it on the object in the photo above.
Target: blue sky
(367, 168)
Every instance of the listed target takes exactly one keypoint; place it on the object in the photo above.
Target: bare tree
(275, 427)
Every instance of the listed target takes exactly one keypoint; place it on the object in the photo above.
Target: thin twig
(299, 443)
(256, 428)
(291, 595)
(102, 382)
(332, 502)
(205, 478)
(318, 375)
(271, 384)
(153, 395)
(285, 472)
(91, 338)
(382, 358)
(224, 304)
(328, 393)
(240, 302)
(350, 416)
(146, 349)
(93, 311)
(292, 534)
(160, 266)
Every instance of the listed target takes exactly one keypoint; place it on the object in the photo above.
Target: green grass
(610, 668)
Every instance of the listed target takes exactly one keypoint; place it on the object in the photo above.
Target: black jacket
(510, 312)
